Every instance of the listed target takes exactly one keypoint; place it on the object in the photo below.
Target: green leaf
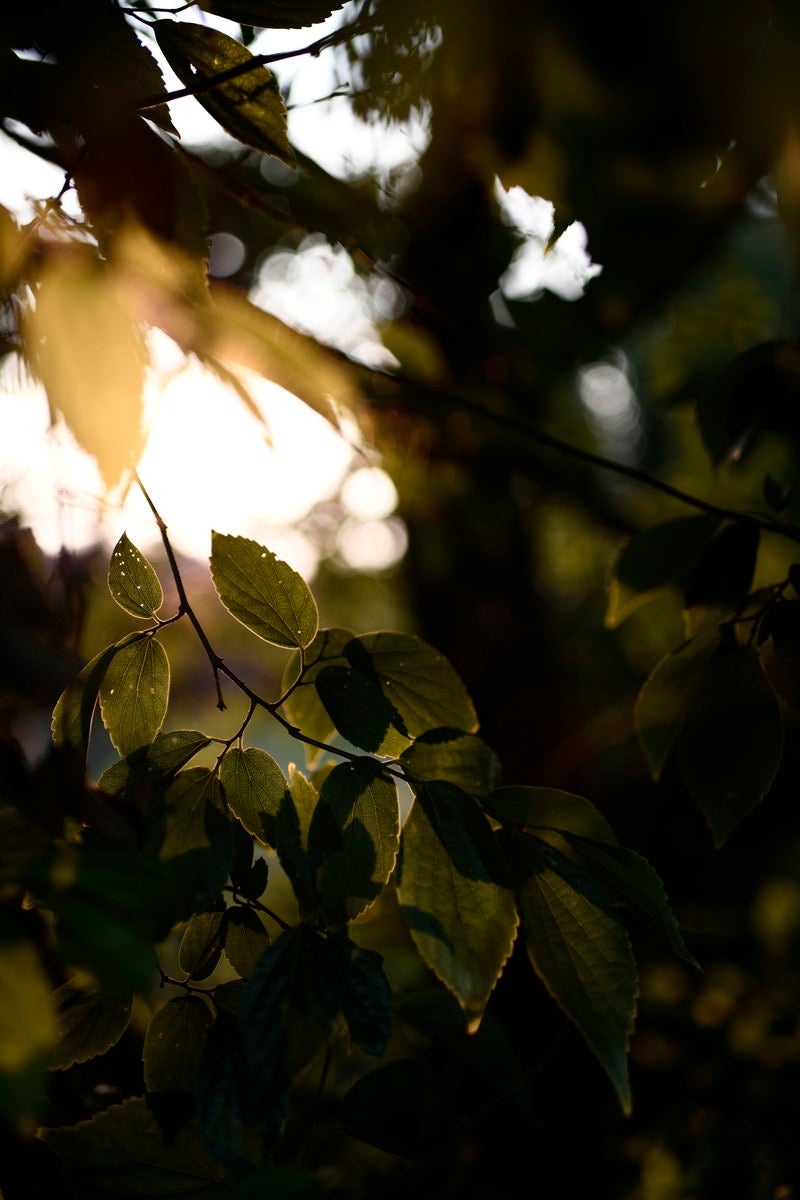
(202, 944)
(455, 895)
(359, 710)
(174, 1044)
(89, 1023)
(197, 834)
(582, 954)
(402, 1108)
(72, 716)
(254, 786)
(757, 390)
(656, 558)
(416, 679)
(122, 1149)
(460, 758)
(132, 581)
(294, 822)
(246, 939)
(632, 879)
(723, 573)
(538, 808)
(666, 696)
(163, 757)
(730, 745)
(265, 594)
(303, 706)
(134, 694)
(273, 14)
(353, 839)
(250, 106)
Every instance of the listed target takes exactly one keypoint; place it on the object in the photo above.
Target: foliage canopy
(227, 974)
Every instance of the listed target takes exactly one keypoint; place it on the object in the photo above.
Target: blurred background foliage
(670, 131)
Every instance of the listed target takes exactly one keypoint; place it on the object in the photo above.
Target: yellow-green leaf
(89, 1021)
(254, 786)
(132, 581)
(174, 1044)
(134, 694)
(262, 592)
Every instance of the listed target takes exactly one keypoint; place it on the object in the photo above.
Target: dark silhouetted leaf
(666, 696)
(273, 14)
(294, 822)
(163, 757)
(454, 891)
(722, 575)
(174, 1044)
(359, 710)
(265, 594)
(250, 106)
(660, 556)
(781, 656)
(134, 694)
(132, 581)
(758, 390)
(729, 748)
(89, 1023)
(198, 830)
(367, 1002)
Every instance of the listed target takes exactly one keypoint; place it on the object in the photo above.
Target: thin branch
(548, 440)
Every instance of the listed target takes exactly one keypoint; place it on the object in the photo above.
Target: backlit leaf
(723, 573)
(89, 1023)
(202, 944)
(359, 710)
(459, 758)
(730, 745)
(174, 1044)
(86, 348)
(582, 954)
(367, 1001)
(294, 822)
(262, 592)
(353, 838)
(163, 757)
(246, 939)
(249, 106)
(455, 895)
(134, 694)
(132, 581)
(254, 785)
(72, 715)
(304, 707)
